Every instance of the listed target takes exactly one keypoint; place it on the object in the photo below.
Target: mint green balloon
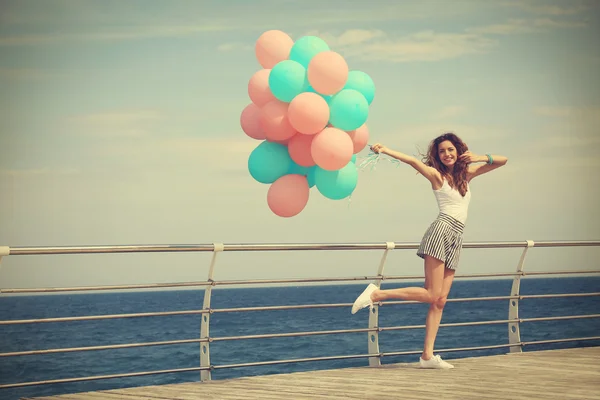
(300, 170)
(353, 159)
(287, 80)
(362, 82)
(348, 109)
(268, 162)
(306, 47)
(339, 184)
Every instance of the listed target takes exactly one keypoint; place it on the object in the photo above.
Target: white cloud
(543, 8)
(376, 45)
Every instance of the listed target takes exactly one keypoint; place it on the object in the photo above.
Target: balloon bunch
(309, 111)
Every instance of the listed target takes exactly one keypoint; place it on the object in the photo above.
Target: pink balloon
(299, 149)
(327, 72)
(308, 113)
(272, 47)
(283, 142)
(274, 121)
(332, 149)
(258, 88)
(250, 122)
(288, 195)
(360, 138)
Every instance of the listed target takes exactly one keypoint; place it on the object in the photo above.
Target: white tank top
(451, 202)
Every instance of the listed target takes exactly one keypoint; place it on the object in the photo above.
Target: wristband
(490, 159)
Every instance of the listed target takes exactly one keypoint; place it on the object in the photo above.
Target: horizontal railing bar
(559, 318)
(106, 347)
(99, 317)
(557, 295)
(271, 281)
(595, 271)
(99, 377)
(110, 287)
(549, 341)
(270, 247)
(447, 325)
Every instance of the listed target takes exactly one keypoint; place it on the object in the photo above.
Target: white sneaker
(435, 362)
(364, 300)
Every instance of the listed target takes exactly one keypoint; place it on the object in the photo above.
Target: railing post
(205, 375)
(373, 339)
(4, 251)
(514, 333)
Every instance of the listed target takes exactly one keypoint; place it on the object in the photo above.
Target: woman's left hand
(468, 157)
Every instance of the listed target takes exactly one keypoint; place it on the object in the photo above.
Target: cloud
(376, 45)
(116, 123)
(523, 26)
(543, 8)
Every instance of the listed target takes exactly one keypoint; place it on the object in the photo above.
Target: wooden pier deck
(548, 375)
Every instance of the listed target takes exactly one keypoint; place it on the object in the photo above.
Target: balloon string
(371, 160)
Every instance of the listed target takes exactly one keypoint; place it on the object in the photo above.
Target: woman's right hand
(378, 148)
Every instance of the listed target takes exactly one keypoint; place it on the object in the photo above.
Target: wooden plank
(553, 374)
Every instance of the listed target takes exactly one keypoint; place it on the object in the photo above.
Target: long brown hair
(458, 178)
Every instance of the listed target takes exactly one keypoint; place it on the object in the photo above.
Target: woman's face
(447, 153)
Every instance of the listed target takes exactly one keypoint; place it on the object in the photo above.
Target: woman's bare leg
(434, 278)
(434, 315)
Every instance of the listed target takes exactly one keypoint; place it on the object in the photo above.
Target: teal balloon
(353, 159)
(339, 184)
(268, 162)
(305, 48)
(287, 80)
(311, 90)
(348, 110)
(300, 170)
(311, 176)
(362, 83)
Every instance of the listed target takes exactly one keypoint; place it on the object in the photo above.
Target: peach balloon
(272, 47)
(258, 88)
(299, 149)
(250, 122)
(284, 141)
(331, 149)
(327, 72)
(288, 195)
(274, 121)
(360, 138)
(308, 113)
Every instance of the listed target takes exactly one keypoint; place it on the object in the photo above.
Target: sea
(37, 336)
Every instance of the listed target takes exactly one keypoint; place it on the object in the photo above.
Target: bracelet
(490, 159)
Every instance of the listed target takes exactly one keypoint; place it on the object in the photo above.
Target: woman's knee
(440, 302)
(434, 296)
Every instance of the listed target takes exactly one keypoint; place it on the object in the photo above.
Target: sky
(119, 124)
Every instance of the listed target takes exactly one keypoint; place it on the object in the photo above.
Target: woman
(448, 166)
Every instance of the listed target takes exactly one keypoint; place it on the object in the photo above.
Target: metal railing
(374, 355)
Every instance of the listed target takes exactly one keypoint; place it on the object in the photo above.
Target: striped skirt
(443, 240)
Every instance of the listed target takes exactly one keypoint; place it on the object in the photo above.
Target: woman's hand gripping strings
(428, 172)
